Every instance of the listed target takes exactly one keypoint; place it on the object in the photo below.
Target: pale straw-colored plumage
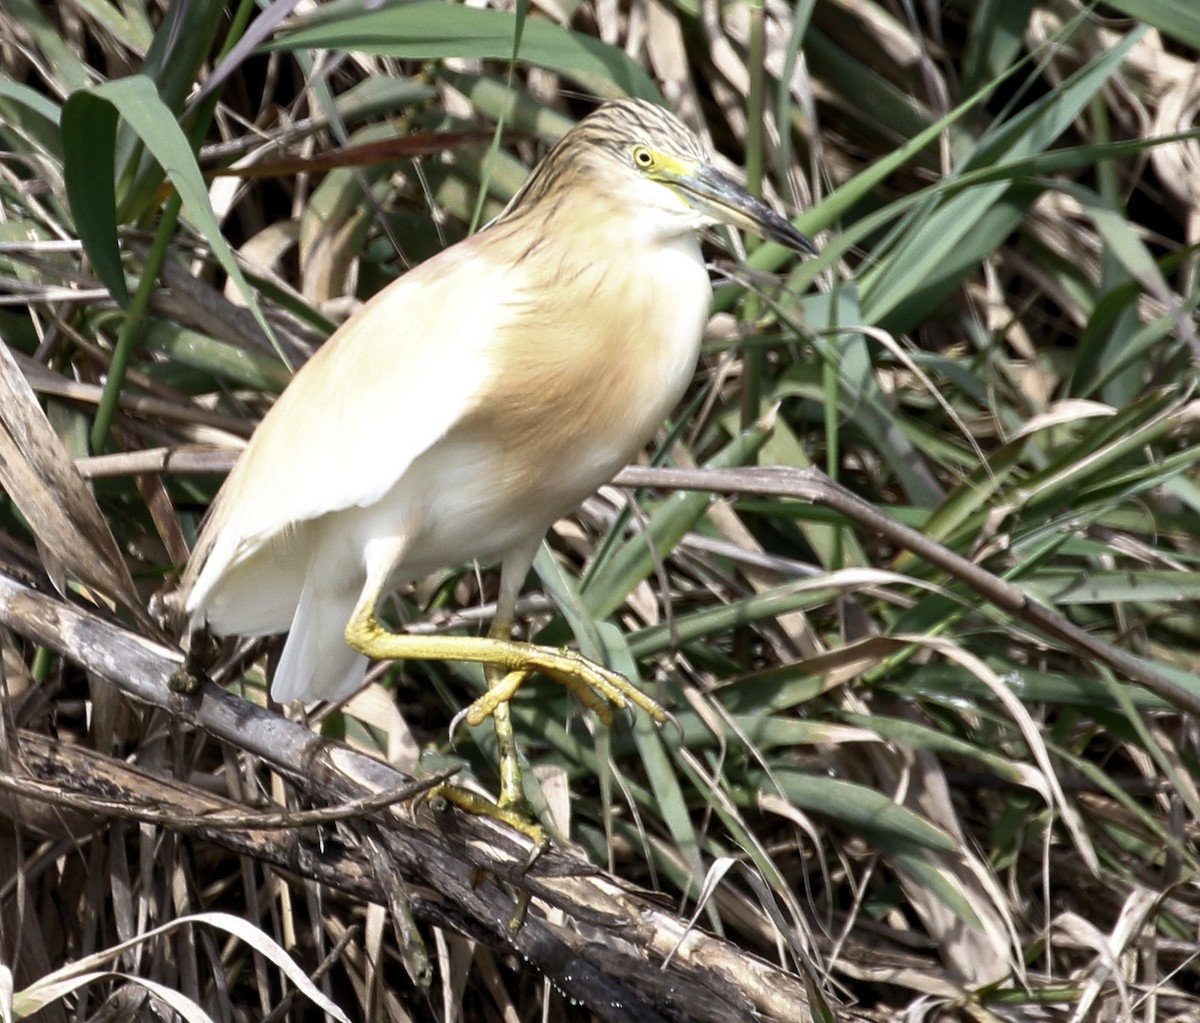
(469, 405)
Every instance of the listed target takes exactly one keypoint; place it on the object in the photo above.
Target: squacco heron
(468, 406)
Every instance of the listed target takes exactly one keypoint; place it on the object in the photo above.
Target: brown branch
(815, 487)
(612, 952)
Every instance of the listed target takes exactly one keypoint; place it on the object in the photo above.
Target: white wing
(384, 388)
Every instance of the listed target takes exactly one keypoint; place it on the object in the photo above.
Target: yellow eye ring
(643, 157)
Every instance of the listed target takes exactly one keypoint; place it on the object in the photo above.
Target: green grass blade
(434, 31)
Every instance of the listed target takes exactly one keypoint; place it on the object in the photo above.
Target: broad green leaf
(858, 808)
(1178, 19)
(941, 242)
(930, 876)
(434, 31)
(994, 40)
(92, 115)
(1100, 587)
(89, 126)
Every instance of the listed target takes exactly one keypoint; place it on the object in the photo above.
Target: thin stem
(132, 325)
(754, 356)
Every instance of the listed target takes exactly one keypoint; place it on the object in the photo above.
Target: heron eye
(642, 157)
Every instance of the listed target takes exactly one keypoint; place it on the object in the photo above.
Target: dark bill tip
(783, 232)
(729, 203)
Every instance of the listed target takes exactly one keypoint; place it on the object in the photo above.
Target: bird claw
(457, 721)
(671, 719)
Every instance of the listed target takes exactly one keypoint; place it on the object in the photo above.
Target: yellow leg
(512, 793)
(516, 818)
(507, 664)
(599, 687)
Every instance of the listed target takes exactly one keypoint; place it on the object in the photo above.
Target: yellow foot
(515, 817)
(600, 689)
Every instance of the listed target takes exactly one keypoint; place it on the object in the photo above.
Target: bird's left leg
(508, 663)
(503, 685)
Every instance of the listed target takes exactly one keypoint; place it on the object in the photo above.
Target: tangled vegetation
(949, 773)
